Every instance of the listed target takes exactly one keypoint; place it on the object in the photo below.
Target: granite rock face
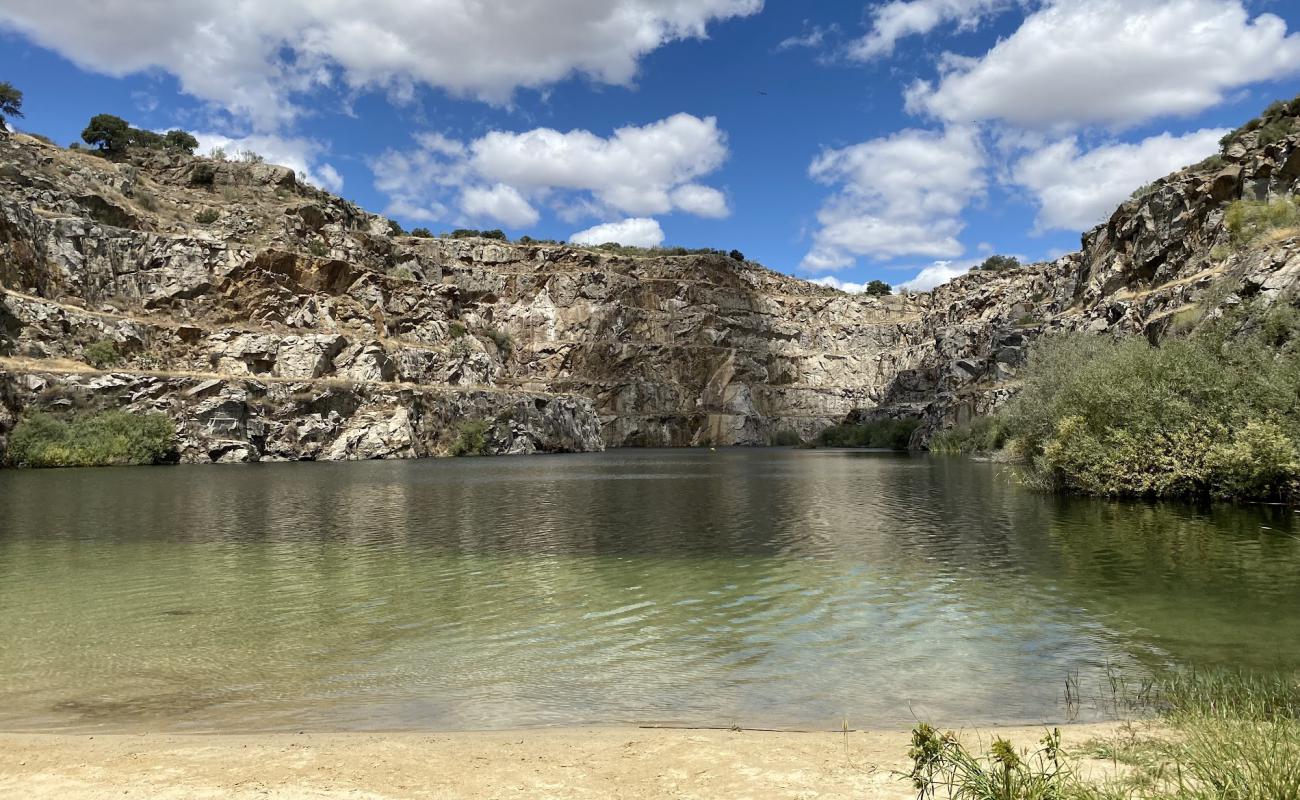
(297, 326)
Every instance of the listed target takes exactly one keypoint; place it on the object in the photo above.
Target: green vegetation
(457, 330)
(1277, 121)
(736, 255)
(11, 103)
(422, 233)
(877, 288)
(146, 200)
(786, 438)
(203, 174)
(111, 438)
(1250, 220)
(318, 248)
(395, 228)
(114, 136)
(1212, 415)
(501, 339)
(101, 354)
(981, 435)
(207, 216)
(471, 439)
(470, 233)
(995, 263)
(891, 434)
(1229, 736)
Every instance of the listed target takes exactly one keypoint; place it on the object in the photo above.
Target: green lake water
(765, 588)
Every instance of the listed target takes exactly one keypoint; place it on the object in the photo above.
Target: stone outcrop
(295, 325)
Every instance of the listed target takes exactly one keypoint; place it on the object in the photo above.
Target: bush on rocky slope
(1216, 414)
(112, 438)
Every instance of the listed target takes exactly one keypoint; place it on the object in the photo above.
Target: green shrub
(146, 201)
(786, 438)
(101, 354)
(736, 255)
(457, 330)
(501, 339)
(981, 435)
(207, 216)
(112, 438)
(997, 263)
(318, 248)
(471, 233)
(1248, 220)
(203, 174)
(878, 288)
(422, 233)
(892, 434)
(1209, 415)
(11, 102)
(471, 439)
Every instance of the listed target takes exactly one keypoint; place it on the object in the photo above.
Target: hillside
(294, 325)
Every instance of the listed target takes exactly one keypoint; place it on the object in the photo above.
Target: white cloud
(940, 272)
(1076, 190)
(895, 20)
(637, 171)
(813, 37)
(298, 154)
(702, 201)
(898, 195)
(1112, 62)
(249, 56)
(636, 232)
(500, 202)
(843, 286)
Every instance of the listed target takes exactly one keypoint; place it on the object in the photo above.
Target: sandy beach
(604, 763)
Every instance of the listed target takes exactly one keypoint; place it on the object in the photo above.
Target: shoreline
(561, 763)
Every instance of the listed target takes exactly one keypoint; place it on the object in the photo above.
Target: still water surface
(761, 588)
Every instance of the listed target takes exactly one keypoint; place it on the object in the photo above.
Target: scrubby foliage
(736, 255)
(1250, 220)
(878, 288)
(1216, 414)
(470, 233)
(207, 216)
(111, 438)
(1277, 121)
(891, 434)
(1228, 736)
(422, 233)
(11, 103)
(113, 135)
(997, 262)
(786, 438)
(471, 440)
(981, 435)
(101, 354)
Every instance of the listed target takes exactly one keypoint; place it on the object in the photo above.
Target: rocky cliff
(273, 321)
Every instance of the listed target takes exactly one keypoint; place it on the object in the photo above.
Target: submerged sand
(603, 763)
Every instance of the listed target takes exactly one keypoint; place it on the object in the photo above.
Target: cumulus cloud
(844, 286)
(938, 273)
(301, 155)
(499, 202)
(1076, 189)
(1113, 63)
(636, 232)
(896, 196)
(250, 56)
(637, 172)
(901, 18)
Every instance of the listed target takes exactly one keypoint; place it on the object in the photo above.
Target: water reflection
(763, 588)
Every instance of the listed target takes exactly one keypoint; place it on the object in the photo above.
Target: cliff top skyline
(900, 141)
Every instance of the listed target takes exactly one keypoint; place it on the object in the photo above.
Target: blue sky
(841, 141)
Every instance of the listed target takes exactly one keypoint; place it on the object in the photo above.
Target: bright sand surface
(603, 763)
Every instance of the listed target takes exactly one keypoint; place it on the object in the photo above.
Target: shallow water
(769, 588)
